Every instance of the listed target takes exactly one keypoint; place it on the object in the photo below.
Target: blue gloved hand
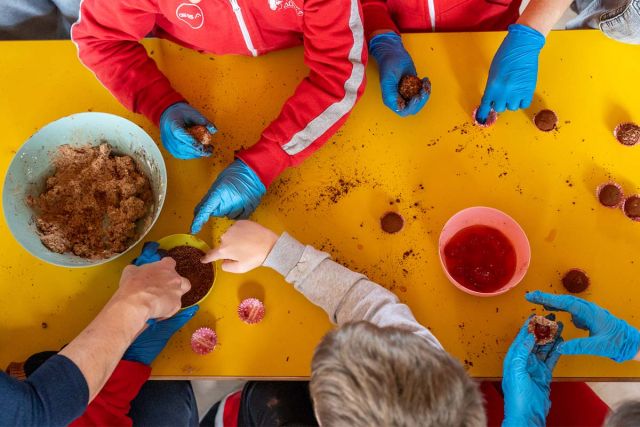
(513, 73)
(235, 194)
(175, 138)
(394, 62)
(608, 336)
(153, 339)
(148, 254)
(526, 379)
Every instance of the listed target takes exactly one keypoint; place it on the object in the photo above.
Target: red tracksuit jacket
(439, 15)
(111, 406)
(331, 31)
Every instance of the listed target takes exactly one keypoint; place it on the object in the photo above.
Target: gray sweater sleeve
(345, 295)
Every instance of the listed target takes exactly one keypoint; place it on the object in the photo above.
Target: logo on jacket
(191, 14)
(285, 4)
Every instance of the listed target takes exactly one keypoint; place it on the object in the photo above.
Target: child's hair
(364, 375)
(625, 415)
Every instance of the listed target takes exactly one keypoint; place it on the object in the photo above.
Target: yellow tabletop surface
(427, 167)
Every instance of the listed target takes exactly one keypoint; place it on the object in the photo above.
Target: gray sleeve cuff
(284, 255)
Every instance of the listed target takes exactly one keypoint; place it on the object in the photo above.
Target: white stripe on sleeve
(319, 125)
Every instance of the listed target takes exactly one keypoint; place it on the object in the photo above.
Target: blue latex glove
(148, 254)
(526, 379)
(175, 138)
(394, 62)
(153, 339)
(608, 336)
(235, 194)
(513, 73)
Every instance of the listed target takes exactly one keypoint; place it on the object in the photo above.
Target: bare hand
(156, 287)
(243, 247)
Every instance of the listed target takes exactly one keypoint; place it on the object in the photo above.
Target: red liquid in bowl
(480, 258)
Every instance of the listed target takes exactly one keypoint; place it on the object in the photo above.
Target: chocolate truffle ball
(631, 207)
(391, 222)
(575, 281)
(627, 133)
(202, 135)
(491, 118)
(610, 195)
(545, 330)
(409, 87)
(546, 120)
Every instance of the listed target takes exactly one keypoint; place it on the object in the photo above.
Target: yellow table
(427, 167)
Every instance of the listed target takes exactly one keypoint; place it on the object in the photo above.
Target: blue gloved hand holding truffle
(609, 336)
(235, 194)
(174, 122)
(513, 73)
(394, 63)
(526, 381)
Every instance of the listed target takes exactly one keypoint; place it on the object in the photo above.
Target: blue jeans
(617, 19)
(165, 403)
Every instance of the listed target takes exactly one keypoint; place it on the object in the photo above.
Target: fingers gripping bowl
(27, 178)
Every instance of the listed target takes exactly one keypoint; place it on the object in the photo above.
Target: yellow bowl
(170, 242)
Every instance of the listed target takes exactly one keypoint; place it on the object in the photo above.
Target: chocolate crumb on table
(545, 330)
(627, 133)
(575, 281)
(545, 120)
(91, 204)
(200, 275)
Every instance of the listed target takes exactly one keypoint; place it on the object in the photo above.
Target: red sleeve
(111, 406)
(107, 36)
(376, 17)
(335, 52)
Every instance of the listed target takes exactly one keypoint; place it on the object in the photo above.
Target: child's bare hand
(243, 247)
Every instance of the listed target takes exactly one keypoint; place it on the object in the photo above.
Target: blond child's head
(364, 375)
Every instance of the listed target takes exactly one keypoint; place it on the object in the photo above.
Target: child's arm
(377, 18)
(336, 53)
(107, 36)
(514, 70)
(345, 295)
(542, 15)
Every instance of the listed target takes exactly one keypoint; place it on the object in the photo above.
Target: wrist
(383, 31)
(137, 303)
(532, 26)
(384, 37)
(271, 240)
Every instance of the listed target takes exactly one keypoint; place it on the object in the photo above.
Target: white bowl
(32, 165)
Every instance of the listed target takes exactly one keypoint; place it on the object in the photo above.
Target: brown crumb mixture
(91, 203)
(200, 275)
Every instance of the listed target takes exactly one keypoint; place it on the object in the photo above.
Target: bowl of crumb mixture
(84, 189)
